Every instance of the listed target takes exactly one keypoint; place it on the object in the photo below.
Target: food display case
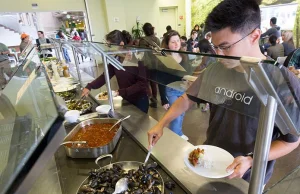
(233, 83)
(29, 123)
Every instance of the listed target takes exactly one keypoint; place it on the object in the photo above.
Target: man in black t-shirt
(234, 35)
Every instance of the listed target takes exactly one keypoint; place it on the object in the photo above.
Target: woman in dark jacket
(132, 82)
(150, 40)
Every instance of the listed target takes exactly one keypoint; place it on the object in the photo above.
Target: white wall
(188, 19)
(43, 5)
(147, 10)
(28, 26)
(98, 19)
(47, 22)
(103, 12)
(115, 9)
(9, 38)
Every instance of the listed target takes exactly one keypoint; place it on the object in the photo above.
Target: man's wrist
(249, 156)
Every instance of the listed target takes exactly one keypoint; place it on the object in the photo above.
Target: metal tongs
(79, 101)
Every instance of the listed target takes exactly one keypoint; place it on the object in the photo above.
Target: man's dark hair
(273, 20)
(202, 25)
(241, 16)
(273, 40)
(183, 38)
(41, 32)
(194, 32)
(205, 46)
(168, 28)
(148, 29)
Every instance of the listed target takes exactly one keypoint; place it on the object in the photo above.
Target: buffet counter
(168, 153)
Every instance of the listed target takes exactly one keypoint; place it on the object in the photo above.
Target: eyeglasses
(227, 48)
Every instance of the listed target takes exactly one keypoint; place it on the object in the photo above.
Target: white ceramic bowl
(103, 109)
(72, 115)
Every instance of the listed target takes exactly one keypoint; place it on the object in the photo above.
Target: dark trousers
(142, 103)
(153, 86)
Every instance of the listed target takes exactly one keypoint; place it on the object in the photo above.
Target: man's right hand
(154, 134)
(85, 92)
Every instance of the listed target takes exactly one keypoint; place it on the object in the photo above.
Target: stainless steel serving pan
(126, 165)
(75, 152)
(89, 106)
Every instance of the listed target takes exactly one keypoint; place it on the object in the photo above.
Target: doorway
(167, 16)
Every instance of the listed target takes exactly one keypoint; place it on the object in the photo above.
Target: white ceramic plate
(221, 160)
(97, 96)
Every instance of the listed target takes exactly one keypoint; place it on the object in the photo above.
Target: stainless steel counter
(169, 152)
(72, 172)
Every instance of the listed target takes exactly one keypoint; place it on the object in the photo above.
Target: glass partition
(27, 113)
(206, 77)
(279, 82)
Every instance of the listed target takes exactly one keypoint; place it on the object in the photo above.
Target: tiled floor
(195, 125)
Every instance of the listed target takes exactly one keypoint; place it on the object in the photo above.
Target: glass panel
(26, 51)
(27, 113)
(285, 84)
(115, 49)
(220, 80)
(207, 77)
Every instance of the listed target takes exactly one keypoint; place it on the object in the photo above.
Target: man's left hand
(240, 165)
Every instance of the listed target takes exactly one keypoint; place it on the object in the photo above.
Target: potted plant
(137, 31)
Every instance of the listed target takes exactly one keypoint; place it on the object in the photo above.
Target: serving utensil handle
(103, 156)
(73, 142)
(119, 122)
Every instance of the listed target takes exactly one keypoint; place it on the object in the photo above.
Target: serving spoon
(120, 120)
(121, 185)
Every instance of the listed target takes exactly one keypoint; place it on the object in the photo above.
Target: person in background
(168, 28)
(62, 36)
(275, 50)
(133, 85)
(42, 40)
(4, 65)
(150, 40)
(201, 32)
(208, 36)
(234, 35)
(168, 94)
(72, 32)
(288, 43)
(183, 46)
(274, 30)
(183, 39)
(193, 41)
(25, 39)
(293, 59)
(76, 36)
(83, 35)
(196, 28)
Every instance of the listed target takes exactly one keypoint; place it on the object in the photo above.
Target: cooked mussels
(140, 181)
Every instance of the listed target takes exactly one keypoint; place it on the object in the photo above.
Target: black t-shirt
(229, 127)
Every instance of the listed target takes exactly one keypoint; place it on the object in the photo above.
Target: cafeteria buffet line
(51, 88)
